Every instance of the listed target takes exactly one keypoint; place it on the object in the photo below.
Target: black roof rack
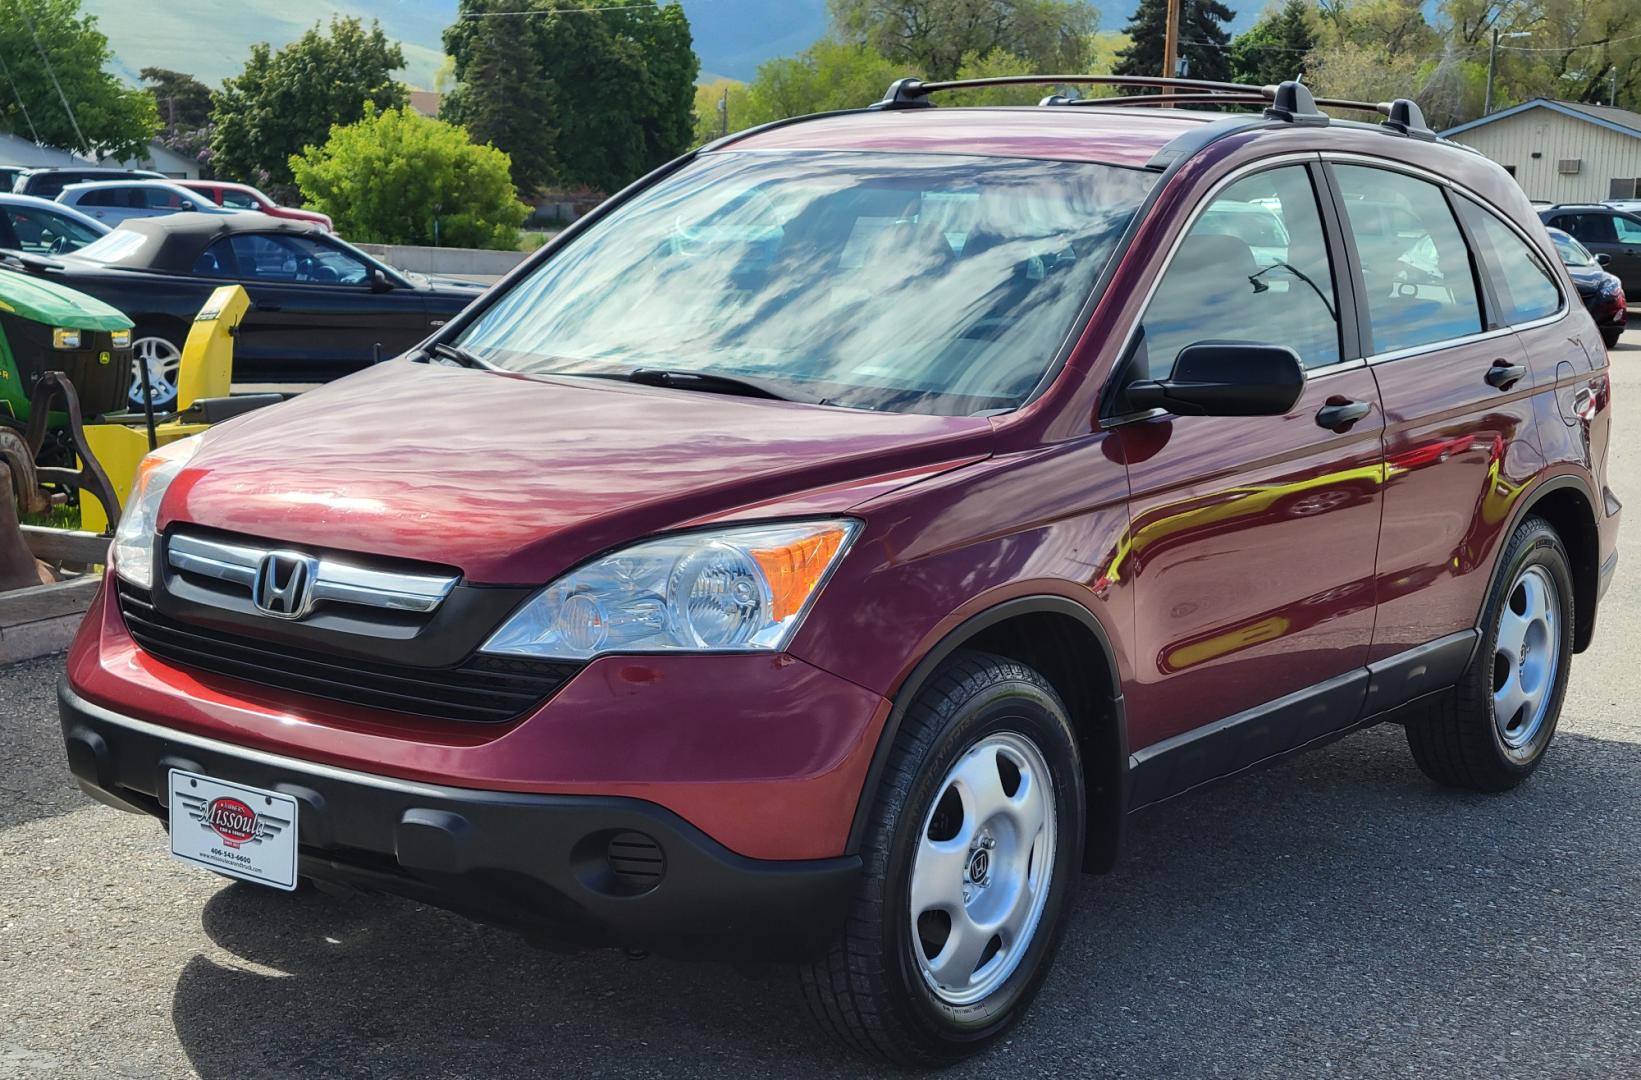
(1290, 102)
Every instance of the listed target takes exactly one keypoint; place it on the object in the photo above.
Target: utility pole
(1170, 45)
(1492, 66)
(723, 114)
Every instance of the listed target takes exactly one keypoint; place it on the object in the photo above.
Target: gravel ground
(1336, 916)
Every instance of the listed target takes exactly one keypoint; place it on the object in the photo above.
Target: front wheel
(971, 854)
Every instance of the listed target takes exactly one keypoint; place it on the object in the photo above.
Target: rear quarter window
(1521, 284)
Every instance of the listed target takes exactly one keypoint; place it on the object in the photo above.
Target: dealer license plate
(240, 831)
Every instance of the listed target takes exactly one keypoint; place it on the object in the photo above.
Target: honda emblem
(284, 584)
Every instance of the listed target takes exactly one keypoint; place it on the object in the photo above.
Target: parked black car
(1605, 231)
(49, 183)
(1602, 293)
(320, 308)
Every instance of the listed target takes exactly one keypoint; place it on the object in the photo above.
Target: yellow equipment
(206, 372)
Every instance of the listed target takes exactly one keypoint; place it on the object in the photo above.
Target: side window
(1420, 285)
(238, 200)
(1592, 228)
(217, 260)
(1628, 229)
(1524, 288)
(105, 195)
(263, 258)
(1253, 268)
(320, 263)
(45, 232)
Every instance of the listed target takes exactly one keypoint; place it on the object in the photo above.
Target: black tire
(1458, 742)
(867, 988)
(1610, 335)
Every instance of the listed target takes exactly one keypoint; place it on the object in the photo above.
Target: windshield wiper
(458, 354)
(710, 383)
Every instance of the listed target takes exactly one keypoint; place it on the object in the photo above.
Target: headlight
(728, 590)
(122, 339)
(64, 338)
(134, 539)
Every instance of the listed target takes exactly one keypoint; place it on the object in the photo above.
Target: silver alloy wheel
(1526, 656)
(161, 360)
(983, 868)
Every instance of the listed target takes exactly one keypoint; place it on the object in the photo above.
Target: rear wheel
(1491, 732)
(971, 855)
(1611, 334)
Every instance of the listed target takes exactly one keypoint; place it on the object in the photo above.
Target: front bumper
(543, 864)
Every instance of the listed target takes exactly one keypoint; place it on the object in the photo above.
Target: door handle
(1340, 413)
(1503, 374)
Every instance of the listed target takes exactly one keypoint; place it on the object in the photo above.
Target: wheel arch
(1057, 637)
(1568, 504)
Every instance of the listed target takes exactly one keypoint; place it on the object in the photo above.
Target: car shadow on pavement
(1336, 914)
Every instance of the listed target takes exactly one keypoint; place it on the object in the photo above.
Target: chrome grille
(334, 581)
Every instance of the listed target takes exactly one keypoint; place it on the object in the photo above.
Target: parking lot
(1336, 916)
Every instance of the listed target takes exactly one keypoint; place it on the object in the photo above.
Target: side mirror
(1225, 379)
(379, 282)
(1602, 259)
(187, 205)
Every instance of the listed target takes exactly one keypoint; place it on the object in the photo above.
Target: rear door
(1251, 540)
(1457, 387)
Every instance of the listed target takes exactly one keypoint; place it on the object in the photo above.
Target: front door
(1457, 387)
(1252, 539)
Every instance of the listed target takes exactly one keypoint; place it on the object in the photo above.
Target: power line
(557, 11)
(18, 94)
(78, 134)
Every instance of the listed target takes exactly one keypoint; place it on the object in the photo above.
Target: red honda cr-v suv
(822, 549)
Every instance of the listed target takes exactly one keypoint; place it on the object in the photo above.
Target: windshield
(1571, 251)
(913, 283)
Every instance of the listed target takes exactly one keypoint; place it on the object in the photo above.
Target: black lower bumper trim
(543, 864)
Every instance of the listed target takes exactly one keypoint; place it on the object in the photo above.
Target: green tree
(937, 37)
(721, 107)
(397, 177)
(1204, 41)
(183, 101)
(54, 86)
(621, 79)
(503, 100)
(828, 75)
(286, 100)
(1273, 49)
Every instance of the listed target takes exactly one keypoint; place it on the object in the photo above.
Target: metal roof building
(1562, 151)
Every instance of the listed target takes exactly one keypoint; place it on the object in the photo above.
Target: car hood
(512, 479)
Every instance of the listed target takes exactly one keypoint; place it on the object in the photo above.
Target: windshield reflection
(924, 283)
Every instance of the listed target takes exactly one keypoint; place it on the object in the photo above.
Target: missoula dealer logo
(232, 820)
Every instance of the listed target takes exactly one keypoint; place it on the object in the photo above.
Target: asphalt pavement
(1337, 916)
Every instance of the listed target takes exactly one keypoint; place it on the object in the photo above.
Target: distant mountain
(210, 40)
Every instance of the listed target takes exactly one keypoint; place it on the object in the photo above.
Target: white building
(1562, 151)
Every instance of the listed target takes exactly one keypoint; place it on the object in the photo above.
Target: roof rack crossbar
(911, 93)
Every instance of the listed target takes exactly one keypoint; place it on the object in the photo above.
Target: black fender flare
(1548, 486)
(1100, 851)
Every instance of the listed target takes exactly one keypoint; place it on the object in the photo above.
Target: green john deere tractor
(49, 327)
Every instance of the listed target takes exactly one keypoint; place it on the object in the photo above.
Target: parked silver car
(43, 227)
(114, 201)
